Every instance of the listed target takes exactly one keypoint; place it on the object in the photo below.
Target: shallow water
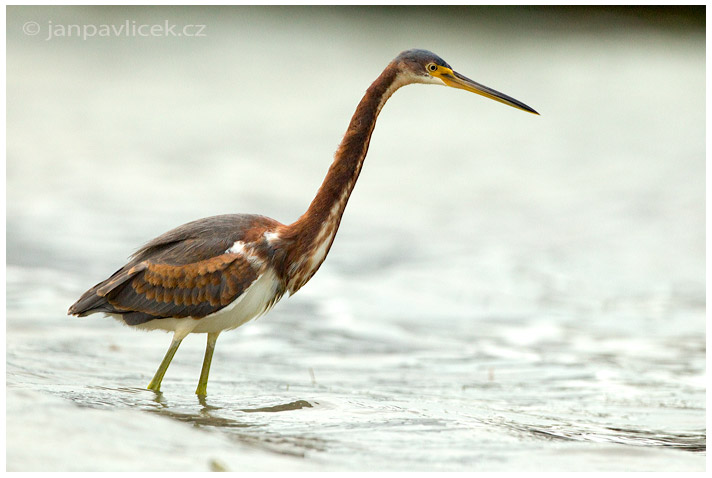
(506, 292)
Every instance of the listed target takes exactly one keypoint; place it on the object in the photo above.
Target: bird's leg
(155, 384)
(202, 389)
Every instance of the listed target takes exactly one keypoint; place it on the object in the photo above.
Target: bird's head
(422, 66)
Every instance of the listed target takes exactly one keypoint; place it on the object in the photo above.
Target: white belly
(255, 301)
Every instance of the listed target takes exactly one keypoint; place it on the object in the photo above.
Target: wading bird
(217, 273)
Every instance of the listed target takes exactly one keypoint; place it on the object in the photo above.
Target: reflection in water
(280, 408)
(222, 418)
(253, 433)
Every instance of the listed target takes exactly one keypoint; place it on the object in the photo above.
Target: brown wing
(184, 273)
(148, 290)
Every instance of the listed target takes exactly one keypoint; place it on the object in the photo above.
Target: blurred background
(527, 284)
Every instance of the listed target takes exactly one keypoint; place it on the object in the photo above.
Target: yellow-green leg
(155, 384)
(202, 389)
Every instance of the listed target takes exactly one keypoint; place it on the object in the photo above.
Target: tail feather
(89, 303)
(95, 299)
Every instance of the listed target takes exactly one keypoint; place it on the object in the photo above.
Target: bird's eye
(432, 67)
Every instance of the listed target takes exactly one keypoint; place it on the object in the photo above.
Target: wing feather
(186, 272)
(190, 290)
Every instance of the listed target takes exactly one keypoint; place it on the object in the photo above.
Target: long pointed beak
(456, 80)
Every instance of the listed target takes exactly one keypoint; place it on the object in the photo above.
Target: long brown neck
(312, 234)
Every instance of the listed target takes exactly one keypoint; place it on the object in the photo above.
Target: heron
(217, 273)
